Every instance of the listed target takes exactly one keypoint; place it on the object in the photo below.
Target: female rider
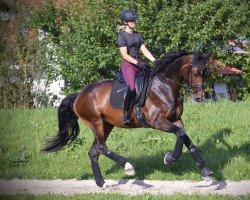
(129, 43)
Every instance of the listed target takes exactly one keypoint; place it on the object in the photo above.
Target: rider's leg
(128, 105)
(129, 72)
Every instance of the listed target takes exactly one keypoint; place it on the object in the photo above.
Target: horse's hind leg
(94, 156)
(101, 130)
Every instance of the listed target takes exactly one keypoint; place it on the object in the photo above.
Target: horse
(162, 109)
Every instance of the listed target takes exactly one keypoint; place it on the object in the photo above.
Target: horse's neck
(173, 73)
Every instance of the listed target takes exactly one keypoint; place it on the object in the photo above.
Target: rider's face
(131, 23)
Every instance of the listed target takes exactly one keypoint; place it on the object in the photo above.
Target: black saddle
(118, 89)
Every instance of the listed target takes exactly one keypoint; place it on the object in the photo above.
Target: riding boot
(128, 105)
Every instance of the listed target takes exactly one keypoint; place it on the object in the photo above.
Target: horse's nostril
(198, 99)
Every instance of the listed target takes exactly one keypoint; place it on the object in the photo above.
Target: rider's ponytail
(120, 28)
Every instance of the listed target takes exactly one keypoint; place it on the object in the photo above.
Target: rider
(129, 43)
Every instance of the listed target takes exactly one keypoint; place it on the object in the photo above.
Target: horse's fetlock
(93, 154)
(192, 149)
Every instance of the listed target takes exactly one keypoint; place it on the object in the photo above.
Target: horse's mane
(168, 58)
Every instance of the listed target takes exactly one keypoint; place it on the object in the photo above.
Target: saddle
(118, 91)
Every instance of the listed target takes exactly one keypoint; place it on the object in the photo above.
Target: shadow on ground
(215, 158)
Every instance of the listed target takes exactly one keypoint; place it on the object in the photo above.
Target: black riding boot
(128, 105)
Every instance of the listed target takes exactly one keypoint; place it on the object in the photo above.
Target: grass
(123, 197)
(221, 131)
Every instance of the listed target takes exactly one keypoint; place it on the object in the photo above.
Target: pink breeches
(129, 72)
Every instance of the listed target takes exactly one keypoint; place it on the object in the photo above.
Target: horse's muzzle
(198, 96)
(199, 99)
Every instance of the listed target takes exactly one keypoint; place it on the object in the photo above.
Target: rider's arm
(147, 53)
(125, 56)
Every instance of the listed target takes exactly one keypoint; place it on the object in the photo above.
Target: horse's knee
(93, 155)
(180, 133)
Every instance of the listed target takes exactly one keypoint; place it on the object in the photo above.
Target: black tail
(68, 125)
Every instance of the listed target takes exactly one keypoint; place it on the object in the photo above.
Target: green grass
(124, 197)
(221, 131)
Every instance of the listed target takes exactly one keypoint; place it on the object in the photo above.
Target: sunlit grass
(221, 131)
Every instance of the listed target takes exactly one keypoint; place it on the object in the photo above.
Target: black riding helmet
(128, 15)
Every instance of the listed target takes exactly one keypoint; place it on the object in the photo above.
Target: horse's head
(193, 72)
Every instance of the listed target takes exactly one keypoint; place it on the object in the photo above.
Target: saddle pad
(117, 94)
(118, 89)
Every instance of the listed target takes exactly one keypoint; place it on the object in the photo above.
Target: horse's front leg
(194, 152)
(167, 126)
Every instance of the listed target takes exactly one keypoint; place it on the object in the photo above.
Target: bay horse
(163, 109)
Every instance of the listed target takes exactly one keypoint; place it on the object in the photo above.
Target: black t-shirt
(132, 41)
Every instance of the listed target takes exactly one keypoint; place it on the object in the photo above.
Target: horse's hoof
(209, 179)
(129, 170)
(105, 186)
(168, 159)
(206, 172)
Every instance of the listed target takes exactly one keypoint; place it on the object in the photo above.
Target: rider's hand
(155, 63)
(142, 65)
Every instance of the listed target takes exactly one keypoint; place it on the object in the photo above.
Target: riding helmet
(128, 15)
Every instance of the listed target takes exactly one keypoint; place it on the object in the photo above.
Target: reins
(153, 73)
(189, 86)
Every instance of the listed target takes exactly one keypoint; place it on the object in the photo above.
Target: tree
(18, 52)
(205, 26)
(85, 49)
(83, 34)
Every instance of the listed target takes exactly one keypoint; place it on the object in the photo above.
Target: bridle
(190, 86)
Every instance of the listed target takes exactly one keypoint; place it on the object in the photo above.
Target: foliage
(77, 40)
(18, 47)
(85, 50)
(81, 42)
(205, 26)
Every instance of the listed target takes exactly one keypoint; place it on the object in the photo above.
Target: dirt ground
(123, 186)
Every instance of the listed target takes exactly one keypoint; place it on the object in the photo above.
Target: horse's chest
(172, 113)
(172, 110)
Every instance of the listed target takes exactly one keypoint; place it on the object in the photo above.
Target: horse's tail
(68, 125)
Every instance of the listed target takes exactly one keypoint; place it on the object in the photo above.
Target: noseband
(199, 61)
